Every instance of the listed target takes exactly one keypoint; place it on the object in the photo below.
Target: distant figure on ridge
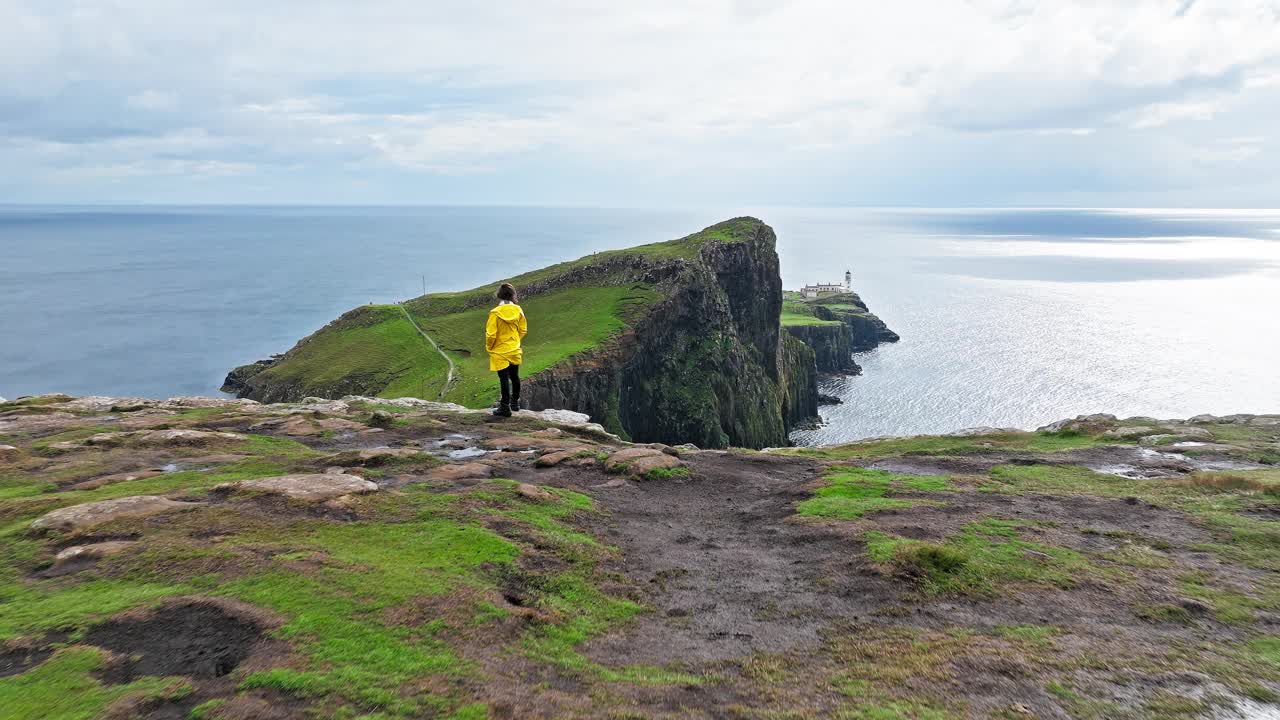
(502, 335)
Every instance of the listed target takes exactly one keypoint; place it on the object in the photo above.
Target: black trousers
(509, 380)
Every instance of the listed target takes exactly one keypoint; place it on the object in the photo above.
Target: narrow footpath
(449, 378)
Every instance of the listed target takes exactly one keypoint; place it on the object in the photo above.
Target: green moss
(1039, 636)
(949, 445)
(63, 687)
(666, 473)
(1266, 649)
(854, 492)
(980, 559)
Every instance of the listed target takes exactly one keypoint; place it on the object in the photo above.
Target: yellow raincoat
(502, 336)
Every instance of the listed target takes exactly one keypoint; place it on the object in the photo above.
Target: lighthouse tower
(848, 280)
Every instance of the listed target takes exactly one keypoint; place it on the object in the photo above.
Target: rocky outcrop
(867, 330)
(832, 346)
(92, 514)
(800, 381)
(704, 365)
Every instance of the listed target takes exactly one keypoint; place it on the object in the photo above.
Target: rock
(1204, 419)
(95, 483)
(93, 551)
(639, 460)
(319, 405)
(188, 402)
(86, 515)
(9, 453)
(526, 442)
(410, 402)
(1131, 432)
(620, 460)
(1087, 424)
(1265, 421)
(299, 426)
(555, 458)
(308, 488)
(463, 471)
(547, 433)
(685, 448)
(614, 483)
(381, 418)
(533, 492)
(187, 438)
(640, 466)
(981, 430)
(373, 457)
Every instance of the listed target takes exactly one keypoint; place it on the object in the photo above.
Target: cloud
(694, 100)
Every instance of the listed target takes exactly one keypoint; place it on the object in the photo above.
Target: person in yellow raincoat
(502, 335)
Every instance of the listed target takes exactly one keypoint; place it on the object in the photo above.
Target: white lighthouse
(848, 281)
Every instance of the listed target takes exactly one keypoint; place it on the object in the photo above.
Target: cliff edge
(674, 342)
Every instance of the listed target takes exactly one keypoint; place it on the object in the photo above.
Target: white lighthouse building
(820, 289)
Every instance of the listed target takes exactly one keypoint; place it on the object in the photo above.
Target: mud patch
(19, 657)
(200, 639)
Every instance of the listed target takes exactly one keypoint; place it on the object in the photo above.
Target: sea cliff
(672, 342)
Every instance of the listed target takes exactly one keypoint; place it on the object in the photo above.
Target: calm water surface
(1008, 317)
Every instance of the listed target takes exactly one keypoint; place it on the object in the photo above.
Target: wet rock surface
(87, 515)
(308, 488)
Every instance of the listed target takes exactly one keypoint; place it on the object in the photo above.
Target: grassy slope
(381, 347)
(561, 324)
(376, 343)
(797, 311)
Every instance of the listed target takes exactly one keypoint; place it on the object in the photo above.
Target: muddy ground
(1146, 590)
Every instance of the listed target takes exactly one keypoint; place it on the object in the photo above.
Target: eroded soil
(1032, 575)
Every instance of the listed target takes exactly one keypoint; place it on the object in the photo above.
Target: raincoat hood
(509, 312)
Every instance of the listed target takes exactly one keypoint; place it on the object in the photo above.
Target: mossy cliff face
(672, 342)
(831, 343)
(867, 329)
(800, 378)
(704, 364)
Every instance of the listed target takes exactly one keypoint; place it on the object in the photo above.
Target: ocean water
(1008, 317)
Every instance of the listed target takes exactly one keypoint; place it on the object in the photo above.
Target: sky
(1138, 103)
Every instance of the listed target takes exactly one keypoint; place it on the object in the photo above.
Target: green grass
(790, 319)
(666, 473)
(374, 345)
(63, 687)
(853, 492)
(562, 323)
(950, 445)
(980, 559)
(1238, 537)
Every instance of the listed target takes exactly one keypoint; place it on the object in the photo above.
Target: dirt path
(729, 576)
(449, 379)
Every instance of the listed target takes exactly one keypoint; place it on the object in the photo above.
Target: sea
(1008, 317)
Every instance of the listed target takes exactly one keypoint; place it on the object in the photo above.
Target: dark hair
(507, 292)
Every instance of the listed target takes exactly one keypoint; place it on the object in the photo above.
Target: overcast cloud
(910, 102)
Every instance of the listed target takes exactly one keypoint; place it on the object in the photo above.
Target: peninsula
(677, 342)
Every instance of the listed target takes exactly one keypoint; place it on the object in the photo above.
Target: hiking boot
(503, 410)
(515, 403)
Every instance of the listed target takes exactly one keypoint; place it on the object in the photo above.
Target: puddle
(170, 468)
(467, 453)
